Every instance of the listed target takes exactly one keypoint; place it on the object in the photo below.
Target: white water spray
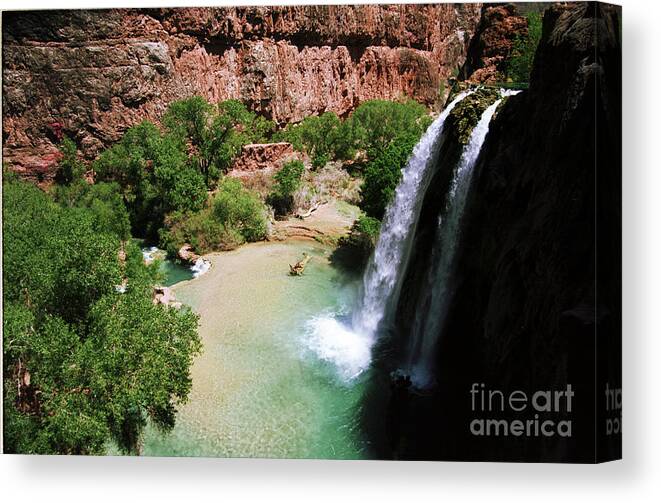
(200, 267)
(349, 348)
(435, 296)
(382, 278)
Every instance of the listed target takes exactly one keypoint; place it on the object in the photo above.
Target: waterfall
(382, 278)
(435, 296)
(348, 348)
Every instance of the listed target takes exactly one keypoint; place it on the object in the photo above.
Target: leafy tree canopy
(240, 209)
(103, 199)
(154, 175)
(235, 216)
(383, 174)
(371, 128)
(287, 181)
(70, 167)
(376, 124)
(215, 133)
(83, 363)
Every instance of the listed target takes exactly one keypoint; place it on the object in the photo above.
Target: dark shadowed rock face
(491, 47)
(525, 313)
(92, 74)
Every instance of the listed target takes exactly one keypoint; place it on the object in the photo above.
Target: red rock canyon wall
(92, 74)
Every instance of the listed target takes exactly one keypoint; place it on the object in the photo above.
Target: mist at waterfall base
(346, 342)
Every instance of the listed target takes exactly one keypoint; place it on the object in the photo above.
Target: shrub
(365, 233)
(465, 116)
(383, 174)
(287, 181)
(356, 248)
(236, 216)
(522, 56)
(375, 124)
(70, 168)
(329, 182)
(201, 230)
(239, 209)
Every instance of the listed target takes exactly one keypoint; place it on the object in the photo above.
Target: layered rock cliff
(490, 48)
(535, 292)
(92, 74)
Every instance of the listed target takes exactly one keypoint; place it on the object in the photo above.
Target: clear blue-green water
(259, 388)
(174, 273)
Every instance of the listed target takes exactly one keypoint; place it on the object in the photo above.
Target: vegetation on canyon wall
(521, 59)
(355, 249)
(465, 116)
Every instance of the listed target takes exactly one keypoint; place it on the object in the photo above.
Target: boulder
(187, 254)
(162, 295)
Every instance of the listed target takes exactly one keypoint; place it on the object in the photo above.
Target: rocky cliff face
(490, 48)
(92, 74)
(542, 227)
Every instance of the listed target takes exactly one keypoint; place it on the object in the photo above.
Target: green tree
(215, 133)
(70, 167)
(83, 364)
(103, 199)
(237, 215)
(383, 174)
(375, 124)
(155, 177)
(318, 136)
(371, 128)
(287, 181)
(238, 208)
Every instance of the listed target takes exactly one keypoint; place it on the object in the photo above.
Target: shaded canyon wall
(541, 232)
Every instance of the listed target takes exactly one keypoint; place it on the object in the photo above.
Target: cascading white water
(382, 278)
(349, 349)
(200, 267)
(436, 294)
